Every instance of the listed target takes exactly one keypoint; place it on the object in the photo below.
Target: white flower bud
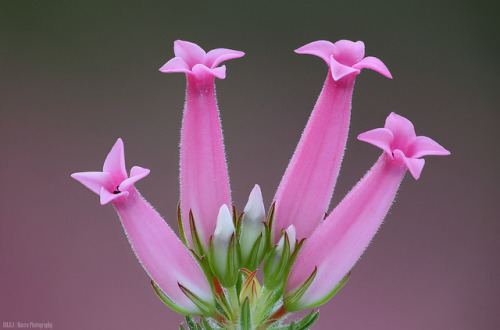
(225, 226)
(222, 236)
(252, 224)
(290, 232)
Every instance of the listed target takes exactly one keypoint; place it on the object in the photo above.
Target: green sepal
(196, 241)
(274, 274)
(205, 325)
(232, 264)
(305, 323)
(205, 308)
(291, 301)
(255, 256)
(191, 323)
(269, 227)
(245, 318)
(167, 301)
(182, 233)
(330, 294)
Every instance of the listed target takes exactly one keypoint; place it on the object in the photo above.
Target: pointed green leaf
(245, 318)
(253, 259)
(292, 300)
(307, 321)
(196, 241)
(167, 301)
(182, 234)
(330, 294)
(191, 323)
(204, 307)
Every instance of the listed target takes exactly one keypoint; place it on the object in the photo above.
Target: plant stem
(234, 302)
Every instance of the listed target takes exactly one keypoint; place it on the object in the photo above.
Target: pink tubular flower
(335, 246)
(307, 186)
(204, 176)
(163, 256)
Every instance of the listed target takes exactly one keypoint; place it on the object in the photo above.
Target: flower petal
(190, 52)
(201, 71)
(379, 137)
(348, 52)
(115, 162)
(219, 55)
(176, 64)
(425, 146)
(401, 128)
(94, 180)
(106, 196)
(414, 165)
(321, 48)
(339, 70)
(374, 64)
(136, 173)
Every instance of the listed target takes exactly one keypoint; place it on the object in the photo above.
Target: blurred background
(76, 75)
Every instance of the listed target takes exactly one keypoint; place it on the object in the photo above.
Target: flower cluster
(305, 257)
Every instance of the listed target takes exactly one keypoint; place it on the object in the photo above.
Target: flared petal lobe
(204, 177)
(306, 188)
(338, 242)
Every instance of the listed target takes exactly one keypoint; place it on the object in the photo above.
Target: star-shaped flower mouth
(193, 60)
(344, 57)
(399, 142)
(113, 182)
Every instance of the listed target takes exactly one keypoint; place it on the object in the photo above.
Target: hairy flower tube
(315, 164)
(251, 270)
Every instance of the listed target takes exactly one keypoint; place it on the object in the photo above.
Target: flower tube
(163, 256)
(338, 242)
(204, 179)
(307, 186)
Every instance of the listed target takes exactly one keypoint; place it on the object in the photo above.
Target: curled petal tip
(374, 64)
(219, 55)
(175, 65)
(379, 137)
(321, 48)
(340, 70)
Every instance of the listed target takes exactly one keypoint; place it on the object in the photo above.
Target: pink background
(75, 77)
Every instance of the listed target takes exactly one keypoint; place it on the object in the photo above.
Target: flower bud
(252, 237)
(222, 249)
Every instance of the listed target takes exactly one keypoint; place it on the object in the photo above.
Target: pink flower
(159, 250)
(307, 186)
(306, 258)
(204, 177)
(338, 242)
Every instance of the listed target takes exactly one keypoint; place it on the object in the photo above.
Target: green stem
(234, 302)
(262, 307)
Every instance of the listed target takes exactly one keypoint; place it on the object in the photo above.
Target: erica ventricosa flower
(211, 270)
